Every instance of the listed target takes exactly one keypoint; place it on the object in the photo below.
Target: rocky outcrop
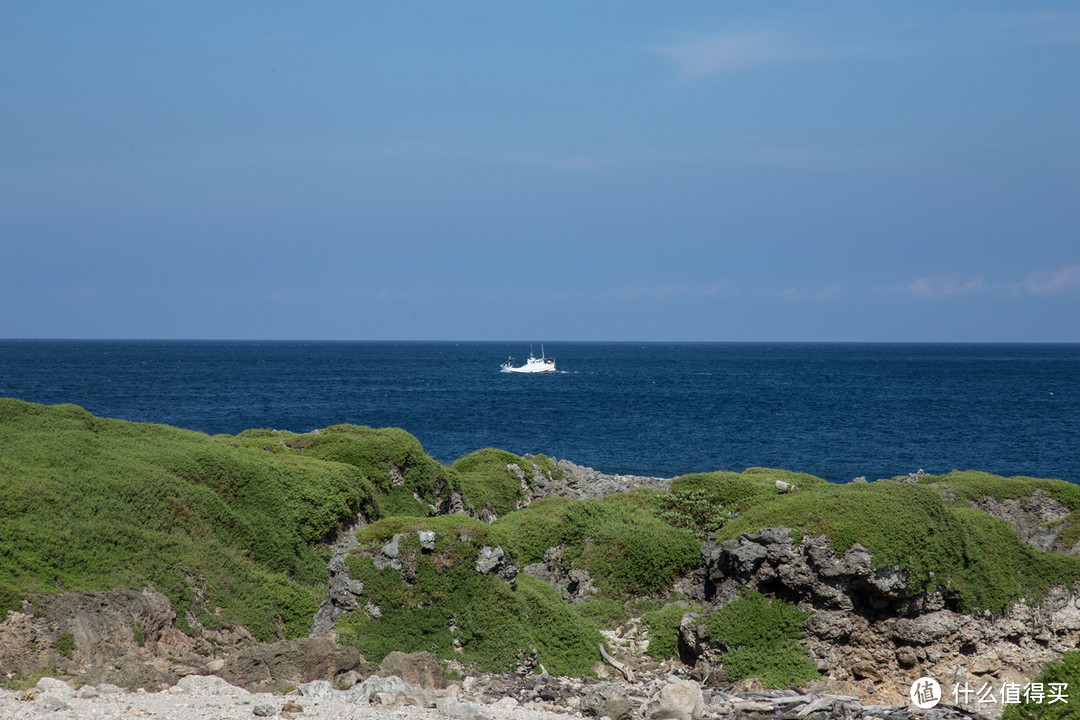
(342, 591)
(121, 635)
(868, 630)
(575, 584)
(580, 483)
(808, 572)
(1038, 518)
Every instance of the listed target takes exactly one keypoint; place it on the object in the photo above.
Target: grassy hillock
(493, 479)
(437, 601)
(619, 540)
(405, 480)
(91, 504)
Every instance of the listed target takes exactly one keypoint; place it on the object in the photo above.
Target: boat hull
(533, 365)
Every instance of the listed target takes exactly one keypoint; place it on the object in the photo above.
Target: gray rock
(288, 663)
(391, 549)
(264, 710)
(489, 559)
(1038, 519)
(53, 686)
(831, 625)
(607, 700)
(390, 690)
(427, 539)
(925, 629)
(681, 700)
(316, 689)
(421, 669)
(458, 710)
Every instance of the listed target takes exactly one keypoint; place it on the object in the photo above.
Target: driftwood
(627, 672)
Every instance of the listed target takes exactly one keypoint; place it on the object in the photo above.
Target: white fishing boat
(532, 365)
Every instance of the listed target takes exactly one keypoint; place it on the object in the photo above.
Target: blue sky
(831, 171)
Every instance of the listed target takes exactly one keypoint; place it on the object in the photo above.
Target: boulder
(391, 690)
(607, 700)
(285, 664)
(681, 700)
(458, 710)
(926, 629)
(131, 672)
(422, 669)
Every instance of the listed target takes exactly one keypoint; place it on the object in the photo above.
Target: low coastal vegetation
(237, 531)
(91, 504)
(433, 598)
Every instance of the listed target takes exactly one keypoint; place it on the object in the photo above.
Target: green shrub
(738, 491)
(695, 510)
(10, 599)
(390, 458)
(568, 643)
(65, 645)
(760, 635)
(603, 611)
(625, 547)
(533, 529)
(663, 627)
(619, 540)
(489, 482)
(497, 624)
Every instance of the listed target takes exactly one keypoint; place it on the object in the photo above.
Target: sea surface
(838, 411)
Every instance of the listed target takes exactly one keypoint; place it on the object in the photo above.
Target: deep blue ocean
(835, 410)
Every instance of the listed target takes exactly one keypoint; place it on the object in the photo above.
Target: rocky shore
(207, 697)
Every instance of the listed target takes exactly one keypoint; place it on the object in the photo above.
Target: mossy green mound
(498, 481)
(406, 480)
(92, 504)
(619, 539)
(738, 491)
(437, 600)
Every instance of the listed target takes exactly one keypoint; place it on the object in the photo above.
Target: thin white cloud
(662, 291)
(710, 55)
(1053, 282)
(935, 287)
(1039, 26)
(1057, 281)
(804, 294)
